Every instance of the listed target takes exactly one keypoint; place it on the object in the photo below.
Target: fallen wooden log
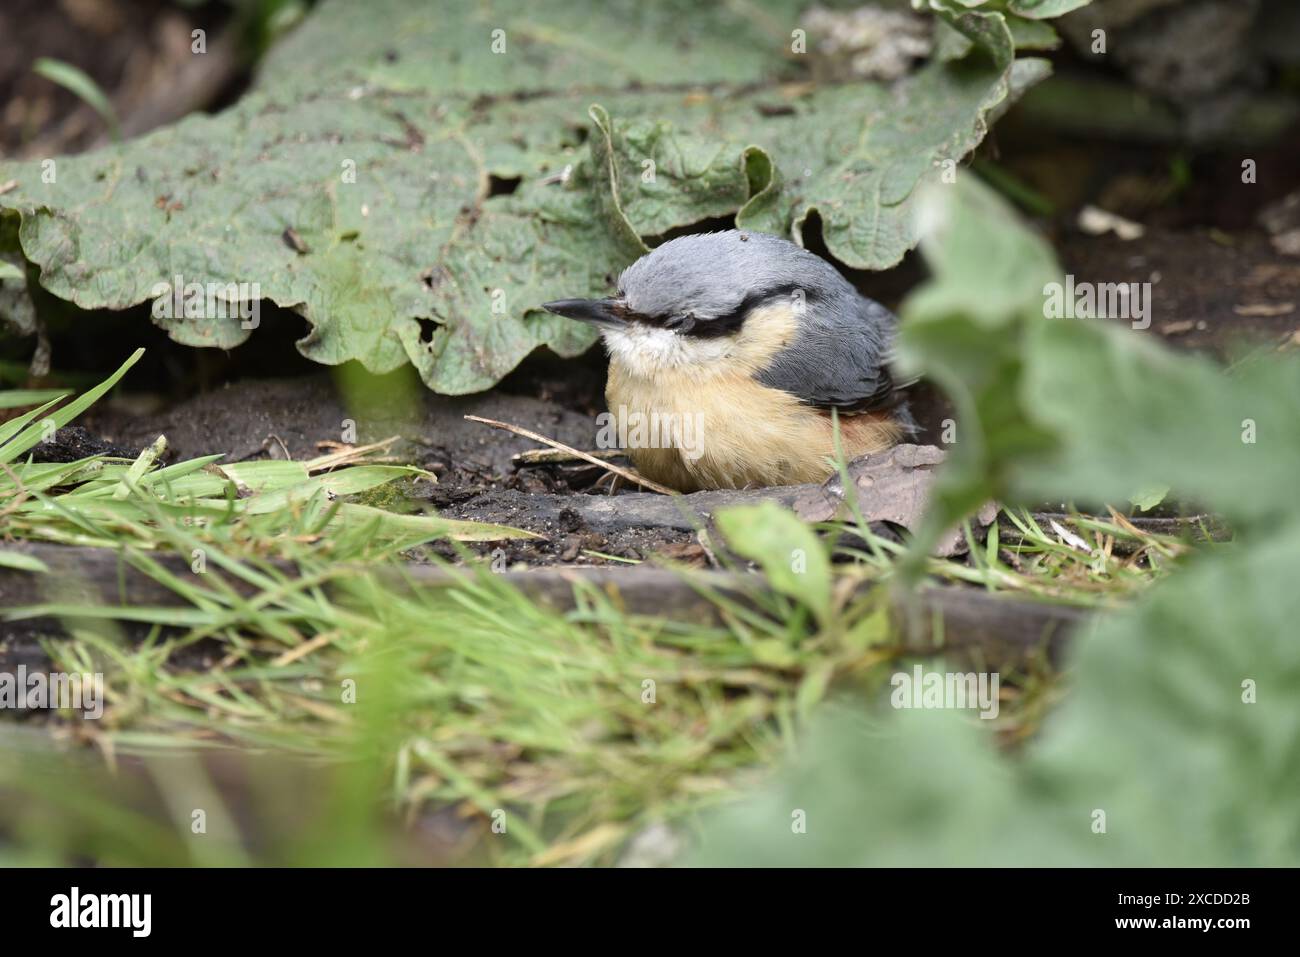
(893, 488)
(998, 628)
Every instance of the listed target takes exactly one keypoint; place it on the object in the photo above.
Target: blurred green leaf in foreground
(1180, 743)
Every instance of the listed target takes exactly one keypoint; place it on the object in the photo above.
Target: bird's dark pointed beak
(598, 311)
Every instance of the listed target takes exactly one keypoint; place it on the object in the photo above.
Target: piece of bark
(538, 512)
(892, 486)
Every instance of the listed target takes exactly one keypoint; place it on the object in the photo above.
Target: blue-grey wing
(839, 359)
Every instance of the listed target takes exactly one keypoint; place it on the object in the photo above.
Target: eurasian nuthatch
(754, 340)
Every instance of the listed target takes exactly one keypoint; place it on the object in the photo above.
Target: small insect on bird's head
(703, 300)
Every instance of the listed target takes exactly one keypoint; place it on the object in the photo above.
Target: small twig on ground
(628, 474)
(702, 539)
(343, 454)
(555, 456)
(20, 491)
(266, 444)
(306, 648)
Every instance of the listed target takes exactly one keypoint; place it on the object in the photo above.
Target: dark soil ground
(1212, 292)
(138, 51)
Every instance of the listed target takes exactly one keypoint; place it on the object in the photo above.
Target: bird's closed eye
(680, 323)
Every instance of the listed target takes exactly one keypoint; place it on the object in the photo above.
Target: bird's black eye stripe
(732, 321)
(687, 324)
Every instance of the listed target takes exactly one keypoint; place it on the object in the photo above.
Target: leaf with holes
(415, 185)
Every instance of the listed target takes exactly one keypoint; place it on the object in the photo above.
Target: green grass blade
(32, 435)
(71, 78)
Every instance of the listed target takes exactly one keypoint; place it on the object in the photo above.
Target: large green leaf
(416, 181)
(1077, 408)
(15, 304)
(1180, 745)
